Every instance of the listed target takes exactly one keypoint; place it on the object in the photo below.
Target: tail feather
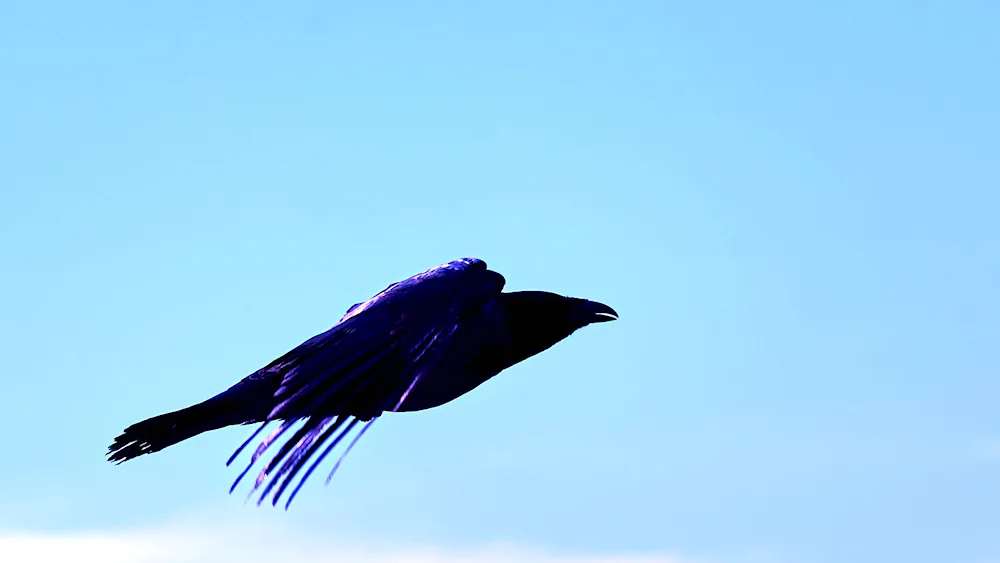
(154, 434)
(246, 402)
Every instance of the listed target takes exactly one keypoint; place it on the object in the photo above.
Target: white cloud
(210, 543)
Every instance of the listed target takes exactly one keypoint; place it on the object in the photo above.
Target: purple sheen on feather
(322, 456)
(285, 425)
(313, 447)
(300, 441)
(343, 455)
(246, 443)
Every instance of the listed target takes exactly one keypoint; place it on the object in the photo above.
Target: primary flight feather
(418, 344)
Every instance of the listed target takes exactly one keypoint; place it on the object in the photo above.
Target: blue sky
(794, 208)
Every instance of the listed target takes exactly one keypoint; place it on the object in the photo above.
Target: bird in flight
(418, 344)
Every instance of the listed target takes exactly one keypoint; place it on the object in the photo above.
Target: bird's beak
(599, 312)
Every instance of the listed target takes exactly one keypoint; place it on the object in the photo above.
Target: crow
(418, 344)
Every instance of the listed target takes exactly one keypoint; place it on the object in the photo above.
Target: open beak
(600, 313)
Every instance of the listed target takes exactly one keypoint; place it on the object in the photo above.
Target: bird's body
(418, 344)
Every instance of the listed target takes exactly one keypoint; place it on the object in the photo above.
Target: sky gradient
(795, 210)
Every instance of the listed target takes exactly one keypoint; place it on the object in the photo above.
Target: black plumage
(418, 344)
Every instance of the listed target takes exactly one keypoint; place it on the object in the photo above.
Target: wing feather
(365, 365)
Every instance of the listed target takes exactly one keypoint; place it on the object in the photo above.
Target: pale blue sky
(795, 209)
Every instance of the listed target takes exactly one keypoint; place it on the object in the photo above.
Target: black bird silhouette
(418, 344)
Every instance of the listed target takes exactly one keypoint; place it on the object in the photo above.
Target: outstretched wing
(365, 365)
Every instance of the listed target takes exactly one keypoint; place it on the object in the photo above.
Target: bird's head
(556, 312)
(539, 319)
